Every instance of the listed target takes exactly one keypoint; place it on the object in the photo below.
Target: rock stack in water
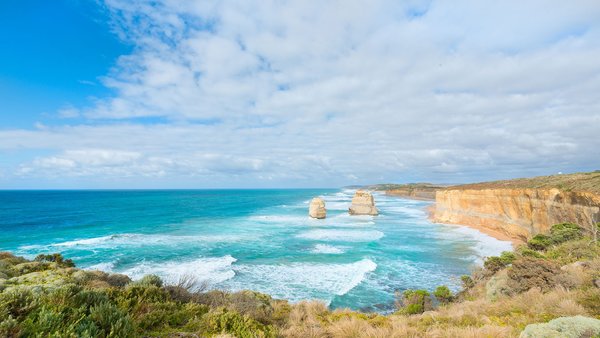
(317, 208)
(363, 204)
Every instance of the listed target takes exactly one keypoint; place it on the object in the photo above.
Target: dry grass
(589, 182)
(505, 317)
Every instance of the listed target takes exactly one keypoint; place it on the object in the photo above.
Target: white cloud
(324, 93)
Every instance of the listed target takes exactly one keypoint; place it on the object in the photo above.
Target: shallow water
(249, 239)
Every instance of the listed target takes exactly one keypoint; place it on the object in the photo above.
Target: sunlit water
(249, 239)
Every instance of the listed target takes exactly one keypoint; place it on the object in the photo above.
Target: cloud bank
(314, 93)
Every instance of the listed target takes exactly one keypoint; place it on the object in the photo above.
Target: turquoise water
(249, 239)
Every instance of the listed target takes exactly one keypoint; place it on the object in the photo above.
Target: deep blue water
(248, 239)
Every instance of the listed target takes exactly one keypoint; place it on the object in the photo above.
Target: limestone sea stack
(317, 208)
(363, 204)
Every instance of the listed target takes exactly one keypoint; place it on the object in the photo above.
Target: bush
(528, 252)
(232, 322)
(577, 326)
(526, 273)
(151, 280)
(118, 280)
(495, 264)
(560, 233)
(443, 294)
(56, 258)
(539, 242)
(467, 282)
(414, 302)
(9, 328)
(112, 321)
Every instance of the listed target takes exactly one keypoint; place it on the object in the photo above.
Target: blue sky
(53, 54)
(205, 94)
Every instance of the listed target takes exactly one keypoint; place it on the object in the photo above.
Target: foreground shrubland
(549, 288)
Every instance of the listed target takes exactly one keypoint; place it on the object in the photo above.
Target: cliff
(418, 191)
(522, 208)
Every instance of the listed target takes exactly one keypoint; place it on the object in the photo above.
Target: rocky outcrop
(518, 213)
(363, 204)
(317, 208)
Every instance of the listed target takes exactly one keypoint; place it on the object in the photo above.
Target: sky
(277, 94)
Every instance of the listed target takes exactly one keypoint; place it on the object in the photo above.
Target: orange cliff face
(517, 213)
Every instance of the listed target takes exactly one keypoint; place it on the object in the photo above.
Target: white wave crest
(298, 281)
(211, 270)
(112, 241)
(342, 235)
(326, 249)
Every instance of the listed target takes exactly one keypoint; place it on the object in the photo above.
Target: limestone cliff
(519, 211)
(363, 204)
(317, 209)
(417, 194)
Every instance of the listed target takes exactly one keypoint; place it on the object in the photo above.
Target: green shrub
(18, 301)
(494, 264)
(150, 280)
(539, 242)
(560, 233)
(414, 302)
(443, 294)
(232, 322)
(528, 252)
(9, 327)
(56, 258)
(467, 282)
(112, 321)
(572, 251)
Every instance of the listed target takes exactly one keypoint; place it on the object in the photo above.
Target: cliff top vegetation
(583, 182)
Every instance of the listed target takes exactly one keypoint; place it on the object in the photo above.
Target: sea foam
(211, 270)
(326, 249)
(299, 281)
(342, 235)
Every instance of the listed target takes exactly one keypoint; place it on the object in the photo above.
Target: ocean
(260, 240)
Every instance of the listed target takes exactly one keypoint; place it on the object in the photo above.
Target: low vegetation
(582, 182)
(550, 287)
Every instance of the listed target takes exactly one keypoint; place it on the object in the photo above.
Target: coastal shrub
(18, 301)
(222, 320)
(560, 233)
(443, 294)
(9, 327)
(56, 258)
(572, 251)
(494, 264)
(111, 320)
(575, 327)
(526, 273)
(539, 242)
(118, 280)
(467, 282)
(150, 280)
(178, 293)
(525, 251)
(414, 302)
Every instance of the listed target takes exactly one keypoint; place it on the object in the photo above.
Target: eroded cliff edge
(524, 207)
